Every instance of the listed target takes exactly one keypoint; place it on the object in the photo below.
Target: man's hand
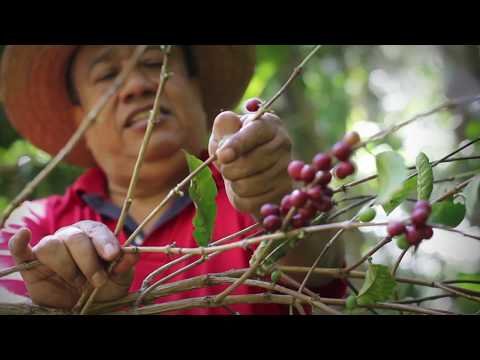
(71, 258)
(253, 158)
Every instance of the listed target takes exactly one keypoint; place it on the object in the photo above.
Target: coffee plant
(313, 207)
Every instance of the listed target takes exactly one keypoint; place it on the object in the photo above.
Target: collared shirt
(88, 199)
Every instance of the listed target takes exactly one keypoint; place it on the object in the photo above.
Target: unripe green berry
(351, 303)
(276, 276)
(402, 242)
(367, 215)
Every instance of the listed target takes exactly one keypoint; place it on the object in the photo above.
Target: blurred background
(349, 87)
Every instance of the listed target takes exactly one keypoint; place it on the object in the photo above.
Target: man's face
(116, 137)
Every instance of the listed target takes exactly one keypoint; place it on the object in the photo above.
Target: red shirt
(88, 199)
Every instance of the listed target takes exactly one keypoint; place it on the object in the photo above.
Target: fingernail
(227, 155)
(99, 279)
(109, 251)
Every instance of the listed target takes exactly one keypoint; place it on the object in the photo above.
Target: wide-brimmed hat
(33, 86)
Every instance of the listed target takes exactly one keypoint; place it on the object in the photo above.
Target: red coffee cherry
(307, 174)
(315, 193)
(352, 138)
(328, 192)
(342, 151)
(253, 105)
(414, 237)
(419, 217)
(272, 223)
(286, 205)
(269, 209)
(395, 228)
(322, 162)
(308, 211)
(324, 205)
(425, 205)
(344, 170)
(295, 170)
(299, 198)
(323, 178)
(426, 232)
(299, 221)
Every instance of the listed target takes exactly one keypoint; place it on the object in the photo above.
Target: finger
(251, 136)
(84, 254)
(52, 253)
(263, 182)
(226, 124)
(104, 241)
(20, 248)
(260, 160)
(126, 264)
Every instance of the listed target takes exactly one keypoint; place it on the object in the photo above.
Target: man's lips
(139, 119)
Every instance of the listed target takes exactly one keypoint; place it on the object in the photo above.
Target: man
(48, 90)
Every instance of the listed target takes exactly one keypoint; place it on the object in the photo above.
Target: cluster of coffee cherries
(316, 195)
(416, 231)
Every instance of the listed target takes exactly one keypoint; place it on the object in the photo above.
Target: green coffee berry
(367, 215)
(351, 302)
(276, 276)
(402, 242)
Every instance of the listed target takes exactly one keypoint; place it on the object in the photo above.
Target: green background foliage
(344, 88)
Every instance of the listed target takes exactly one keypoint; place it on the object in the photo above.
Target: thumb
(20, 248)
(226, 125)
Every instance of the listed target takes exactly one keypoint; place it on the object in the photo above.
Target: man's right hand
(71, 258)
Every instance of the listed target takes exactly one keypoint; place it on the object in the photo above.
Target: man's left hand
(253, 158)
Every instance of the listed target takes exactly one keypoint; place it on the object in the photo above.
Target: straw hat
(34, 90)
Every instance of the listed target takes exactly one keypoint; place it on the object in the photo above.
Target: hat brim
(36, 101)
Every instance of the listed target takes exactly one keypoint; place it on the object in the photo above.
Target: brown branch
(19, 268)
(399, 261)
(384, 242)
(86, 123)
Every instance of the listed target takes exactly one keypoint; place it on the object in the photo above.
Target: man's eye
(153, 63)
(109, 75)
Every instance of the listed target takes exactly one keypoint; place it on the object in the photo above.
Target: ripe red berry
(352, 138)
(419, 217)
(426, 232)
(425, 205)
(253, 105)
(299, 198)
(315, 193)
(322, 162)
(323, 178)
(324, 205)
(307, 174)
(328, 192)
(308, 211)
(299, 221)
(413, 235)
(395, 228)
(272, 223)
(344, 170)
(269, 209)
(295, 170)
(342, 151)
(286, 205)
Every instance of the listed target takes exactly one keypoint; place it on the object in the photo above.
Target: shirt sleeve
(29, 215)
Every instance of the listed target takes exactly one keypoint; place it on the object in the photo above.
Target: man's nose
(137, 85)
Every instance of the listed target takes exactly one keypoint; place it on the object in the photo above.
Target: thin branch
(384, 242)
(399, 261)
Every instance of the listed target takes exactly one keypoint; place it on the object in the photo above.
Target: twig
(456, 189)
(19, 268)
(446, 228)
(399, 261)
(86, 123)
(384, 242)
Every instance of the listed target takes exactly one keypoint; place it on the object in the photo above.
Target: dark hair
(188, 54)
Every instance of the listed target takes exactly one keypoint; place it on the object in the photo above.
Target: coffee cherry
(308, 211)
(352, 138)
(322, 162)
(253, 105)
(324, 205)
(403, 243)
(425, 205)
(276, 276)
(344, 170)
(323, 178)
(299, 198)
(426, 232)
(295, 170)
(286, 205)
(269, 209)
(413, 235)
(308, 174)
(272, 223)
(328, 192)
(299, 221)
(315, 193)
(351, 303)
(419, 217)
(395, 228)
(367, 215)
(342, 151)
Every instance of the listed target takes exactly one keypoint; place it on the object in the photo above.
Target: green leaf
(472, 197)
(400, 196)
(448, 213)
(391, 175)
(379, 285)
(469, 277)
(424, 178)
(203, 192)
